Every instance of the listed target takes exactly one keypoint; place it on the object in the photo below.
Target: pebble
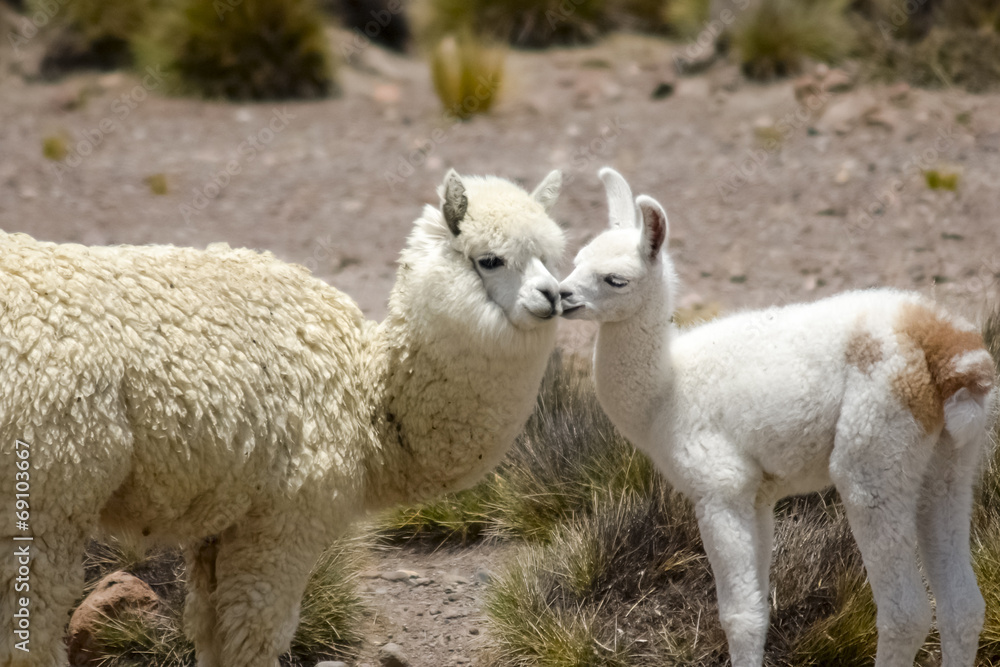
(391, 655)
(400, 575)
(473, 631)
(331, 663)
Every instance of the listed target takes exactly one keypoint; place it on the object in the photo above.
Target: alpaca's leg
(52, 571)
(879, 476)
(732, 540)
(945, 515)
(261, 572)
(199, 604)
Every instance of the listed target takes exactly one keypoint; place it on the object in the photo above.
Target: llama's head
(618, 272)
(483, 263)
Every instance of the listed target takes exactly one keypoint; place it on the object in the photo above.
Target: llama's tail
(961, 371)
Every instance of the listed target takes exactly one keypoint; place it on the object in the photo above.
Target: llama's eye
(615, 281)
(490, 262)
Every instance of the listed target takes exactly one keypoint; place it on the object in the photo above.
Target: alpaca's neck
(445, 410)
(633, 371)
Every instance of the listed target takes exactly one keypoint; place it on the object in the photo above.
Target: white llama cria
(878, 392)
(224, 394)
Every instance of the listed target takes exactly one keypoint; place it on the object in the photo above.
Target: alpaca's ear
(547, 191)
(655, 227)
(621, 208)
(453, 201)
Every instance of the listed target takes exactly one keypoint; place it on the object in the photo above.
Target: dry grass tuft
(467, 73)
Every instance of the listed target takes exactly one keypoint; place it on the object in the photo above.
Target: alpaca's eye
(490, 262)
(615, 281)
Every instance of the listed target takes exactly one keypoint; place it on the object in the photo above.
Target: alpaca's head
(482, 264)
(621, 270)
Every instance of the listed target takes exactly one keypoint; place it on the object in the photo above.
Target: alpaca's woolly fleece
(233, 403)
(879, 393)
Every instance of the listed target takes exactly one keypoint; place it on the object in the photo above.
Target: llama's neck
(633, 370)
(445, 410)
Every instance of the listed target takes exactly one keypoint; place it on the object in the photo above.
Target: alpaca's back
(191, 378)
(774, 381)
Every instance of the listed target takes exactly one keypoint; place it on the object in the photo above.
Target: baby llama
(233, 403)
(878, 393)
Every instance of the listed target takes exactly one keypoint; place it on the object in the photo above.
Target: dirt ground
(769, 202)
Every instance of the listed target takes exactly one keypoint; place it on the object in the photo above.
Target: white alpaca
(190, 394)
(879, 393)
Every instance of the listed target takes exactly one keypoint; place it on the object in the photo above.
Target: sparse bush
(777, 36)
(467, 74)
(243, 49)
(687, 17)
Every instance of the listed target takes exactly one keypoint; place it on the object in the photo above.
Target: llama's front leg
(199, 605)
(732, 541)
(261, 572)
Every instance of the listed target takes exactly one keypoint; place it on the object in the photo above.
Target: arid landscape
(777, 192)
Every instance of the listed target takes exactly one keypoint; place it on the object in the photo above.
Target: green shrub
(243, 49)
(687, 17)
(778, 36)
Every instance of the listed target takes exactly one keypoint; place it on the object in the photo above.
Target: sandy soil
(766, 206)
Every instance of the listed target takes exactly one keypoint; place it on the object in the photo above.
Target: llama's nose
(550, 295)
(565, 294)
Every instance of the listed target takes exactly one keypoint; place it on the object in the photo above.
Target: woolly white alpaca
(224, 394)
(878, 392)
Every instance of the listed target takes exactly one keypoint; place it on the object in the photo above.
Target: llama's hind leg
(943, 531)
(879, 481)
(200, 622)
(261, 570)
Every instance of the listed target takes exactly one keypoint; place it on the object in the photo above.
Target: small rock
(837, 81)
(435, 612)
(387, 93)
(400, 575)
(391, 655)
(455, 614)
(420, 581)
(116, 593)
(482, 575)
(473, 631)
(663, 90)
(806, 87)
(331, 663)
(900, 93)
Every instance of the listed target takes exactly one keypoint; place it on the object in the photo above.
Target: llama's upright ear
(547, 191)
(621, 208)
(453, 201)
(655, 227)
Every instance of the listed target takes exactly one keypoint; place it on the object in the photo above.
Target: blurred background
(800, 147)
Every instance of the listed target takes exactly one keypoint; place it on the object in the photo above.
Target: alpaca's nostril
(550, 295)
(565, 294)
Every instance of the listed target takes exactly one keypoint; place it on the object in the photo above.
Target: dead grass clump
(467, 73)
(778, 36)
